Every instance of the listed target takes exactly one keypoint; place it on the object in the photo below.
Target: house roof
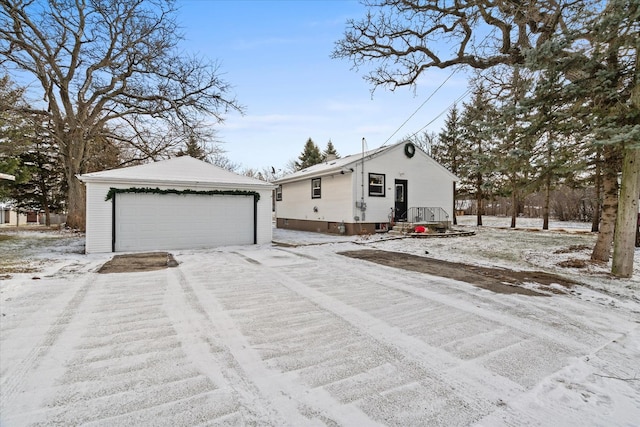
(178, 170)
(345, 164)
(331, 166)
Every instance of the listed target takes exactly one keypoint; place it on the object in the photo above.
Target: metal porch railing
(427, 215)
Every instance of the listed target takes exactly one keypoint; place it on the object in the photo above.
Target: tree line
(558, 97)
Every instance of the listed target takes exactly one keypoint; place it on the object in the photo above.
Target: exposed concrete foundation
(330, 227)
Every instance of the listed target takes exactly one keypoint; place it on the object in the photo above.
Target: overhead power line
(421, 105)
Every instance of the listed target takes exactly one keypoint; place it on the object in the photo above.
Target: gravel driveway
(305, 336)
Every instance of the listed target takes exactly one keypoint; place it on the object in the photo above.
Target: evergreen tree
(40, 186)
(477, 173)
(450, 150)
(193, 149)
(330, 152)
(514, 145)
(557, 154)
(310, 155)
(593, 43)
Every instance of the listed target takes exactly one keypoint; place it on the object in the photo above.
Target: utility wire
(431, 96)
(441, 113)
(421, 105)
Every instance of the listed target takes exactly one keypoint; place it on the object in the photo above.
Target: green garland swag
(113, 191)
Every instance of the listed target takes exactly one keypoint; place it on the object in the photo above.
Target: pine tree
(310, 155)
(193, 149)
(450, 150)
(594, 44)
(514, 145)
(477, 172)
(330, 152)
(557, 154)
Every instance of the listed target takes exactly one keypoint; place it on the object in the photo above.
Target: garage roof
(178, 170)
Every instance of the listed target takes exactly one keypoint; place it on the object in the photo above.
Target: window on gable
(279, 193)
(315, 188)
(376, 185)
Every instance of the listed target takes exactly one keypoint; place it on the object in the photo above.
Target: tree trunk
(75, 154)
(595, 224)
(44, 201)
(602, 249)
(638, 233)
(76, 204)
(514, 207)
(624, 239)
(47, 215)
(545, 205)
(479, 202)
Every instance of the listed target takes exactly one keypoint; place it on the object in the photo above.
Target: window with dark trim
(315, 188)
(279, 193)
(376, 185)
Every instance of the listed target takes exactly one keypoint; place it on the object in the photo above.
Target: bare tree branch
(407, 37)
(111, 69)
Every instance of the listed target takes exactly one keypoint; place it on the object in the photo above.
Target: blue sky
(276, 54)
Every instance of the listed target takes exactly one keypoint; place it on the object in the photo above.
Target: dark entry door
(401, 200)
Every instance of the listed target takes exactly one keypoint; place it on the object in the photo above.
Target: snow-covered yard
(300, 335)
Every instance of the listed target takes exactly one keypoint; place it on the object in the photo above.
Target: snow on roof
(182, 169)
(342, 163)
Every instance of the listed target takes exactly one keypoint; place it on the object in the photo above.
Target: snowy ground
(299, 335)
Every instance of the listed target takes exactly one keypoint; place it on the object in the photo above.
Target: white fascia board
(317, 174)
(169, 183)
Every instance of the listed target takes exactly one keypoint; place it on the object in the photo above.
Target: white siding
(98, 235)
(99, 214)
(265, 222)
(334, 205)
(429, 185)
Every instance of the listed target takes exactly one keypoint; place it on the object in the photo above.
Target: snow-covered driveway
(304, 336)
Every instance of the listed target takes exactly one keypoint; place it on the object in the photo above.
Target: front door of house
(401, 200)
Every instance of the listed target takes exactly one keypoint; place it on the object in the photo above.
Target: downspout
(255, 219)
(113, 223)
(362, 205)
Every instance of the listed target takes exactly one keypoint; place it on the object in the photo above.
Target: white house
(180, 203)
(366, 192)
(10, 217)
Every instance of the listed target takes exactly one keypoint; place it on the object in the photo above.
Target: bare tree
(593, 43)
(110, 69)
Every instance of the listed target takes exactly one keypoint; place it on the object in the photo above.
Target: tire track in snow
(313, 342)
(286, 401)
(529, 312)
(189, 315)
(436, 363)
(545, 343)
(16, 377)
(127, 369)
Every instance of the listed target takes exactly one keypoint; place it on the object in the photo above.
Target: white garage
(181, 203)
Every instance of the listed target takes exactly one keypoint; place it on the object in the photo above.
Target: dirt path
(498, 280)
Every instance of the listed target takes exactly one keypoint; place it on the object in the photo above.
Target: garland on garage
(113, 191)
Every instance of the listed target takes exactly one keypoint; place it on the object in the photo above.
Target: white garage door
(147, 221)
